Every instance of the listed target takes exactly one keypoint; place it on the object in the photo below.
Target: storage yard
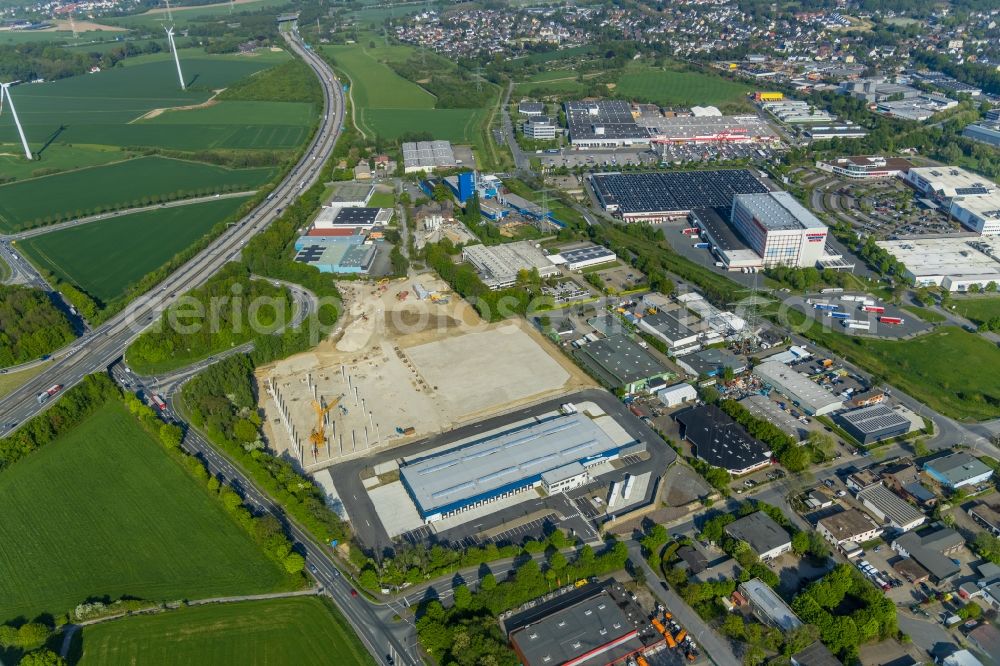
(391, 364)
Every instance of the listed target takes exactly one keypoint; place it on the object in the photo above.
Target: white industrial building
(947, 182)
(539, 127)
(428, 156)
(865, 167)
(979, 214)
(499, 265)
(585, 257)
(803, 392)
(677, 394)
(667, 326)
(954, 264)
(779, 229)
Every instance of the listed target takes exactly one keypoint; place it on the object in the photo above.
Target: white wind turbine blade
(17, 121)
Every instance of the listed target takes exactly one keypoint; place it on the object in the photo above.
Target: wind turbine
(5, 90)
(177, 60)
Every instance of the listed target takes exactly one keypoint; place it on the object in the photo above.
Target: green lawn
(923, 313)
(382, 200)
(977, 309)
(297, 630)
(104, 511)
(126, 184)
(105, 258)
(670, 87)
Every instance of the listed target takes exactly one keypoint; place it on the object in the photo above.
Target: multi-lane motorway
(101, 347)
(97, 349)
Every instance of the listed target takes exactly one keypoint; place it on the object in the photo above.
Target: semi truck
(44, 396)
(690, 230)
(895, 321)
(158, 401)
(857, 324)
(828, 307)
(873, 308)
(839, 315)
(702, 246)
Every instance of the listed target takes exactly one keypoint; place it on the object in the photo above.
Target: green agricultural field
(388, 105)
(977, 309)
(183, 16)
(240, 113)
(58, 157)
(104, 511)
(105, 258)
(120, 185)
(304, 631)
(374, 85)
(670, 87)
(64, 37)
(106, 108)
(455, 125)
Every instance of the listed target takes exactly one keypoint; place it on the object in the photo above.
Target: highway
(102, 347)
(98, 348)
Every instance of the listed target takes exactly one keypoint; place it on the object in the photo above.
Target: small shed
(677, 394)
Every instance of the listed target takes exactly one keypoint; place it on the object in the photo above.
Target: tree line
(467, 634)
(30, 325)
(222, 403)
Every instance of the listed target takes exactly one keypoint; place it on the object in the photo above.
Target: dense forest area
(30, 325)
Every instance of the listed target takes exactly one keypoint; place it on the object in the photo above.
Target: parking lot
(909, 326)
(686, 153)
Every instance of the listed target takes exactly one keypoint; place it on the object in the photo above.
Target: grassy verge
(978, 310)
(11, 381)
(925, 314)
(295, 630)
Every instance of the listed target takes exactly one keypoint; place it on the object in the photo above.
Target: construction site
(408, 359)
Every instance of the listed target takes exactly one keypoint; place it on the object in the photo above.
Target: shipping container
(873, 308)
(895, 321)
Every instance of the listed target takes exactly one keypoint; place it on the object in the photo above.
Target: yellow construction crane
(318, 435)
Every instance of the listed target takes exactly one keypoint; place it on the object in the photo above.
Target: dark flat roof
(355, 216)
(719, 440)
(571, 632)
(713, 221)
(675, 190)
(760, 531)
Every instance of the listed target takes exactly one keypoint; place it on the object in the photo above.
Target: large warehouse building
(720, 441)
(656, 197)
(485, 470)
(954, 264)
(810, 396)
(603, 124)
(779, 229)
(498, 265)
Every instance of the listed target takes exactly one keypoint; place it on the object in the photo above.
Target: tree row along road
(96, 350)
(48, 229)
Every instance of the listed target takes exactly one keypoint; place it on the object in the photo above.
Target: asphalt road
(365, 521)
(97, 349)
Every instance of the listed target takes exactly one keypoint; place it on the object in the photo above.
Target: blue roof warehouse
(501, 464)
